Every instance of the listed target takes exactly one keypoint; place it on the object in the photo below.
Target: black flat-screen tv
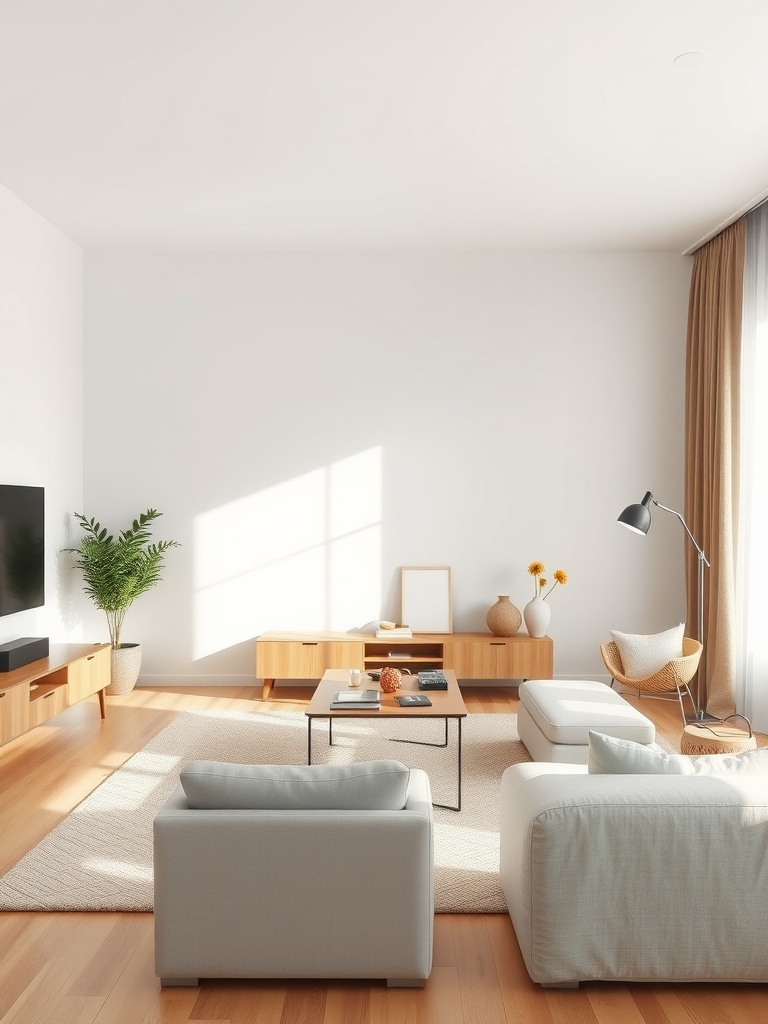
(22, 548)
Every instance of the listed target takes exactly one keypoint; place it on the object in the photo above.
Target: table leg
(102, 703)
(457, 807)
(458, 766)
(309, 737)
(423, 743)
(266, 688)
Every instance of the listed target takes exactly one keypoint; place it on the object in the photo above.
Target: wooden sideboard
(32, 694)
(470, 655)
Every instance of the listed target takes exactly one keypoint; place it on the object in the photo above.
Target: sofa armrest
(644, 878)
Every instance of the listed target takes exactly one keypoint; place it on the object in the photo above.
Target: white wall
(41, 409)
(310, 423)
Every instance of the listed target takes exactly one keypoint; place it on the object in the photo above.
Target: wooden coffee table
(446, 704)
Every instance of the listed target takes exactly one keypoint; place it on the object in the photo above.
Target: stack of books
(392, 631)
(433, 680)
(356, 700)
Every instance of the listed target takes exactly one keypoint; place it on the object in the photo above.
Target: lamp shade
(638, 517)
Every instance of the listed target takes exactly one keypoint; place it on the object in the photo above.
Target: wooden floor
(98, 968)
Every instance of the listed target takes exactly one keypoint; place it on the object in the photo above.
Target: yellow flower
(536, 569)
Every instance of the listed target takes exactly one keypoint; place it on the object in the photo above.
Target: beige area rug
(100, 857)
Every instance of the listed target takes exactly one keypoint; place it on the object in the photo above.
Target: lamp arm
(702, 556)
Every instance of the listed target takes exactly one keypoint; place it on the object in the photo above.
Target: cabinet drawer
(288, 660)
(305, 659)
(479, 659)
(14, 711)
(88, 675)
(514, 657)
(46, 704)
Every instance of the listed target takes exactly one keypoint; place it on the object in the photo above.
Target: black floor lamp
(638, 518)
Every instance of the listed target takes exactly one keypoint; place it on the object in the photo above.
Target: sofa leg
(179, 982)
(406, 982)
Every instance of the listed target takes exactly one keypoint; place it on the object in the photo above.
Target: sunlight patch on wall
(302, 555)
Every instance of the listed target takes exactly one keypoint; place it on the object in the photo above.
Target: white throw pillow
(609, 755)
(364, 785)
(642, 655)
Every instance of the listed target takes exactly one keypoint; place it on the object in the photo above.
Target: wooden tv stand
(470, 655)
(32, 694)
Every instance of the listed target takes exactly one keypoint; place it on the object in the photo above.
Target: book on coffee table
(350, 700)
(413, 700)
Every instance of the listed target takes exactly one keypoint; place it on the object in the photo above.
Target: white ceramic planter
(126, 662)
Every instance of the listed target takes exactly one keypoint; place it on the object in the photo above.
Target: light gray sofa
(636, 877)
(291, 888)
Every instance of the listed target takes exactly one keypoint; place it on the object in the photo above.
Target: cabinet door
(340, 654)
(88, 675)
(478, 659)
(531, 658)
(14, 711)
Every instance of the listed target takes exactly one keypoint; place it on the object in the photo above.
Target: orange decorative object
(390, 680)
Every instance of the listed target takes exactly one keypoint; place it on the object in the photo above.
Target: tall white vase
(536, 614)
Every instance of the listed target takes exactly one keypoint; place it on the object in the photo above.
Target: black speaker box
(22, 652)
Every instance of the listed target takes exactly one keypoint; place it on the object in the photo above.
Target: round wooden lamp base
(717, 738)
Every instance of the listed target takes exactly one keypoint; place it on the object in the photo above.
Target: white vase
(536, 614)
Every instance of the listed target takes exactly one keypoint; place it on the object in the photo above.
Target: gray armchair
(300, 892)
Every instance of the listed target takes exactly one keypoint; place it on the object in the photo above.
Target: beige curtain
(712, 409)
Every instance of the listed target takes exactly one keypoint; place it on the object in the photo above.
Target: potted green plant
(117, 570)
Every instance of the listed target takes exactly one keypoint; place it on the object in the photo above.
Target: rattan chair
(673, 677)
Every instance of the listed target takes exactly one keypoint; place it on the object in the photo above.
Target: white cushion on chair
(642, 655)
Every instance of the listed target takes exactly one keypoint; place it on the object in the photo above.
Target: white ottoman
(555, 716)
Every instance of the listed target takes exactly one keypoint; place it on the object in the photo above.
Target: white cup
(354, 678)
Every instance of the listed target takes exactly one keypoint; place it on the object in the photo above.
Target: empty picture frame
(426, 598)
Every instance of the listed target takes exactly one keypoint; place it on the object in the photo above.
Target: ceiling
(277, 124)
